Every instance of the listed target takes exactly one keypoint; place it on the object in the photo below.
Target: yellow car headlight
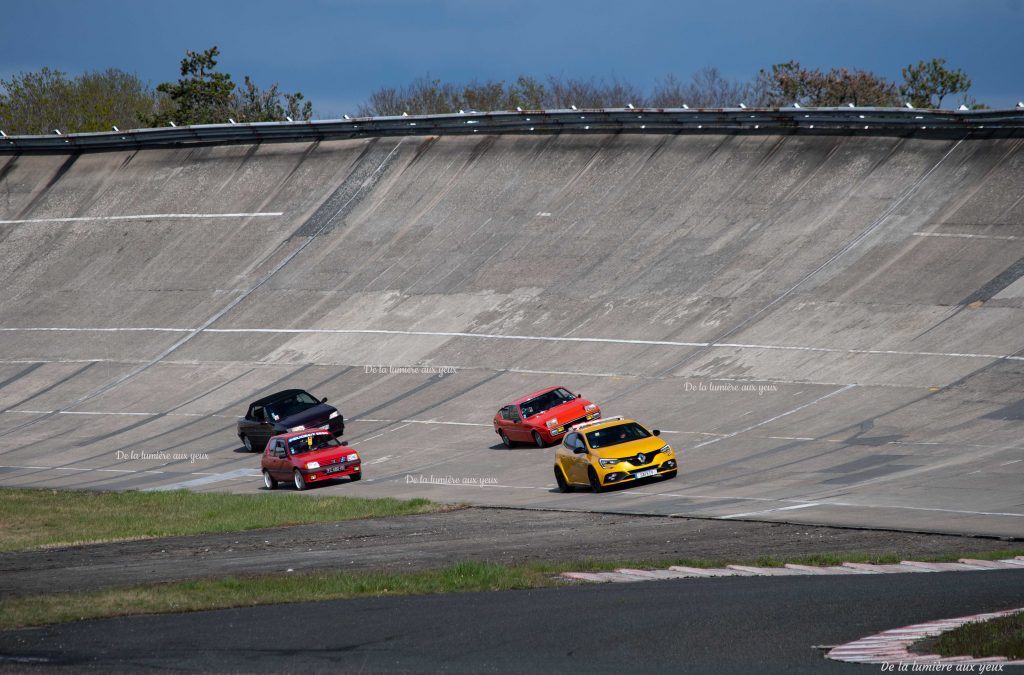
(607, 463)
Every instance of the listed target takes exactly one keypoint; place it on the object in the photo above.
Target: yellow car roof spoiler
(599, 420)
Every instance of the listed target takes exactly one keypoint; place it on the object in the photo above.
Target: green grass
(207, 594)
(999, 637)
(35, 518)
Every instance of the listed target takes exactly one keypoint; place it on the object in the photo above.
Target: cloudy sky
(338, 51)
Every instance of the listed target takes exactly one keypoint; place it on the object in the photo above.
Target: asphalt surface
(434, 540)
(827, 328)
(726, 625)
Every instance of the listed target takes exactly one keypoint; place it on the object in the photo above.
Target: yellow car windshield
(620, 433)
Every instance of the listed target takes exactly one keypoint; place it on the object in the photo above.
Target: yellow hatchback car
(611, 451)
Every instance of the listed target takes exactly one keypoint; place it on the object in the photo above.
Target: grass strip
(31, 518)
(1003, 636)
(208, 594)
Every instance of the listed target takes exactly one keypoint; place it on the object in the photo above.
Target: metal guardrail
(805, 121)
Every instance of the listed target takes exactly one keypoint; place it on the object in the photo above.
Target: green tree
(527, 93)
(204, 96)
(296, 108)
(790, 83)
(423, 96)
(253, 104)
(200, 96)
(927, 83)
(39, 102)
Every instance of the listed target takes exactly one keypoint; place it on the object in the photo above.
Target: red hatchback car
(543, 417)
(305, 457)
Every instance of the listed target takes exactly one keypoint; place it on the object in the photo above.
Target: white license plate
(645, 474)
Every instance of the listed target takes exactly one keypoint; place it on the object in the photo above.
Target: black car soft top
(287, 393)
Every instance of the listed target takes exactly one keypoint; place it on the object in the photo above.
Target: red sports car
(305, 457)
(543, 417)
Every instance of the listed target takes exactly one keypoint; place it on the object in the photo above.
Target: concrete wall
(868, 290)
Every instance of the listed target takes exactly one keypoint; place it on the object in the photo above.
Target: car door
(260, 430)
(517, 430)
(575, 463)
(507, 423)
(269, 461)
(279, 459)
(247, 426)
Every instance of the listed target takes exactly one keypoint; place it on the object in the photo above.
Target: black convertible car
(285, 411)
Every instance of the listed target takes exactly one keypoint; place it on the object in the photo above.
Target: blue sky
(338, 51)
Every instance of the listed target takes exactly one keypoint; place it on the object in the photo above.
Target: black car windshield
(311, 443)
(546, 401)
(286, 407)
(620, 433)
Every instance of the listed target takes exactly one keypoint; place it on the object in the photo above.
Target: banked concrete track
(830, 329)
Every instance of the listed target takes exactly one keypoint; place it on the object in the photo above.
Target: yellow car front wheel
(563, 485)
(595, 482)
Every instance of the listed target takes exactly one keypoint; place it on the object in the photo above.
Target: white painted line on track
(534, 338)
(922, 508)
(78, 468)
(570, 373)
(457, 424)
(22, 411)
(969, 236)
(72, 329)
(487, 336)
(206, 480)
(385, 433)
(761, 513)
(150, 216)
(777, 417)
(872, 352)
